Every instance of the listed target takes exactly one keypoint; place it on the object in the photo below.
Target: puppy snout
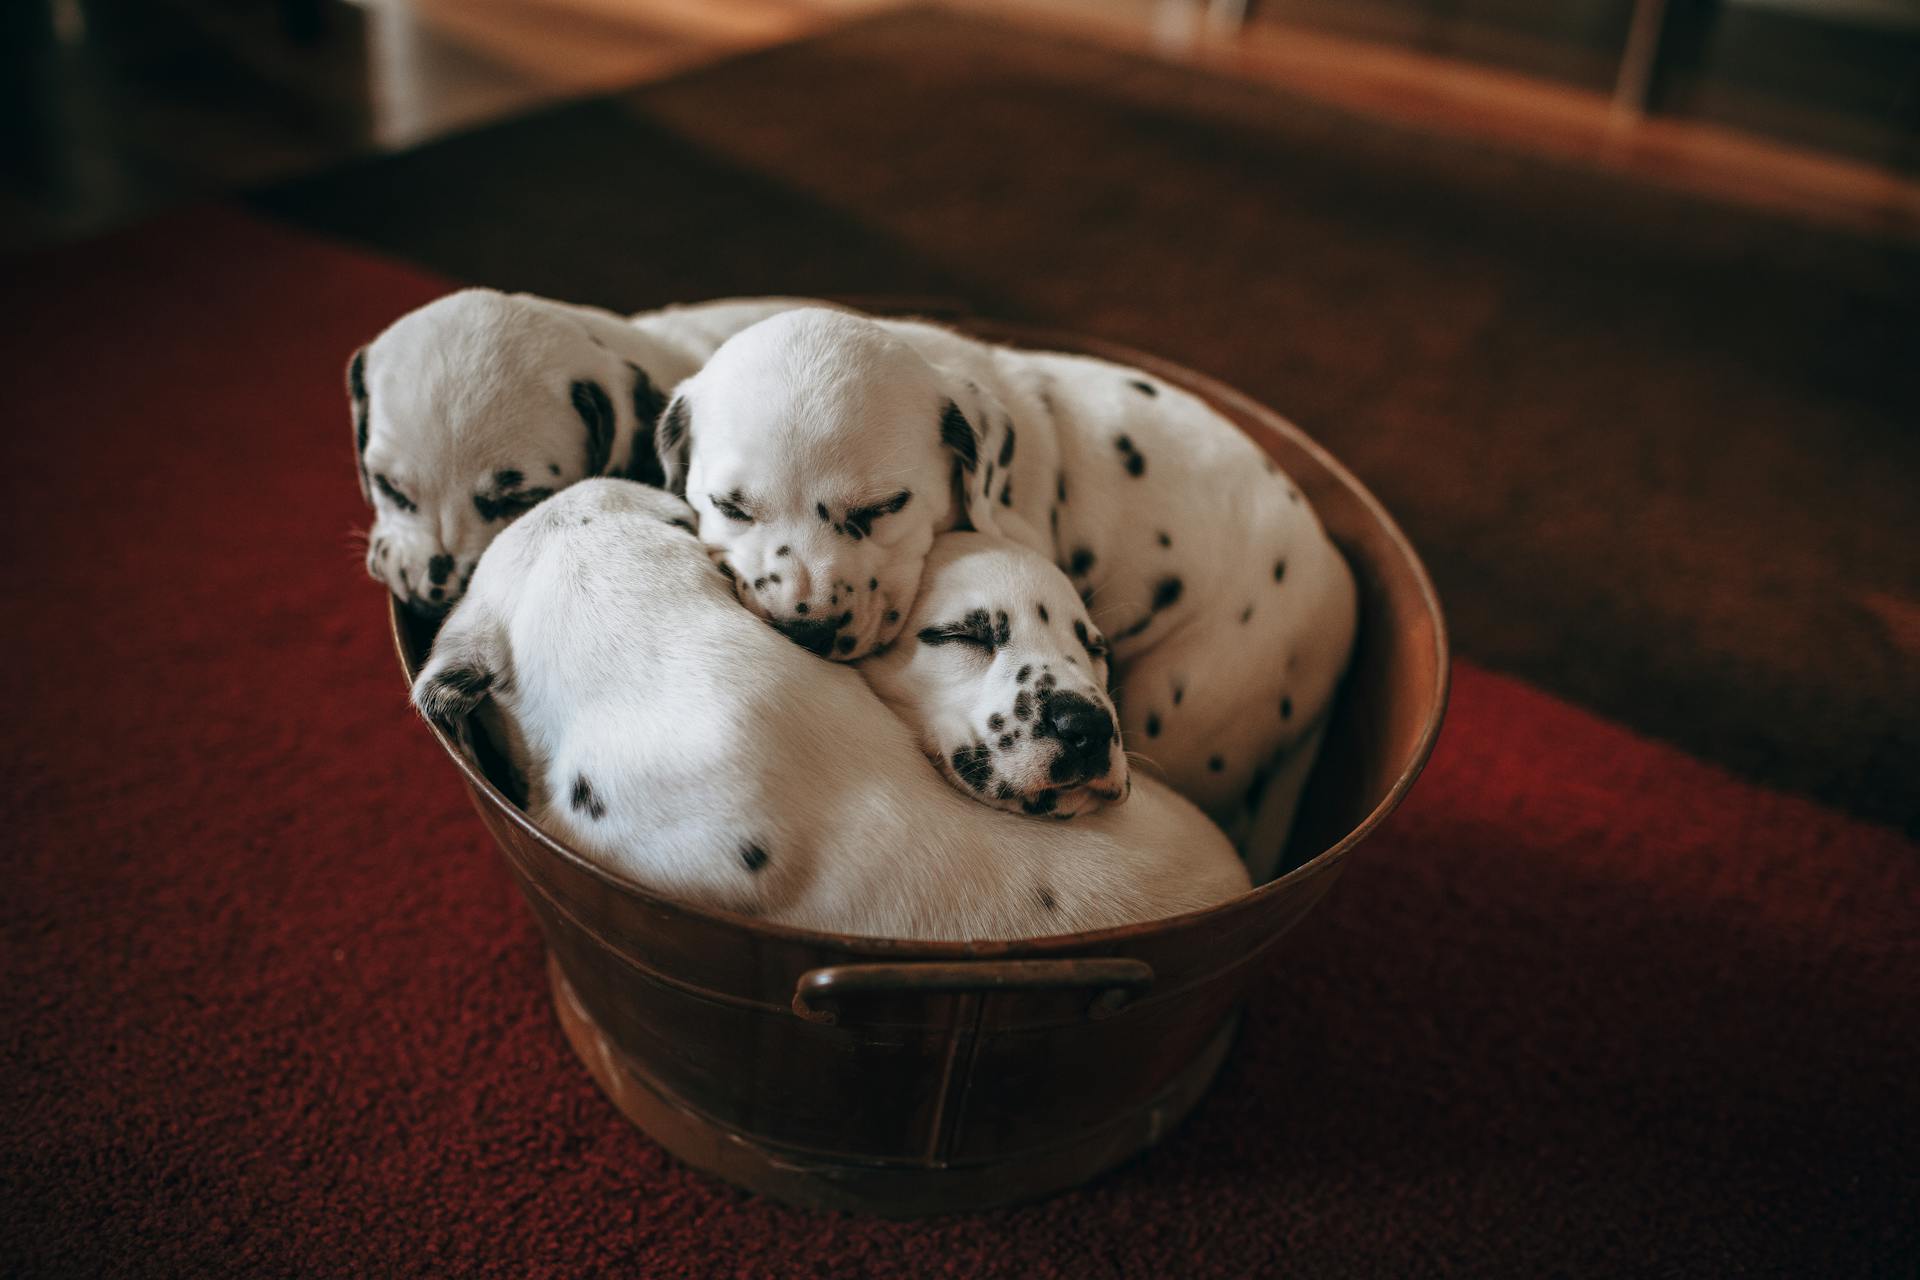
(816, 635)
(1085, 732)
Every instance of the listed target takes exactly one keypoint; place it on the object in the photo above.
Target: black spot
(553, 468)
(1043, 612)
(802, 607)
(1167, 592)
(1042, 803)
(1153, 725)
(394, 496)
(1006, 493)
(1144, 388)
(1136, 464)
(439, 569)
(783, 551)
(1023, 706)
(1179, 692)
(1047, 902)
(1004, 790)
(759, 583)
(753, 857)
(595, 407)
(1123, 443)
(1279, 570)
(956, 433)
(973, 765)
(1006, 446)
(1021, 676)
(774, 578)
(843, 645)
(821, 508)
(643, 461)
(508, 479)
(1246, 613)
(1081, 562)
(672, 442)
(873, 584)
(1006, 741)
(1286, 708)
(893, 615)
(996, 722)
(1046, 681)
(584, 799)
(453, 693)
(1002, 629)
(1215, 763)
(1060, 486)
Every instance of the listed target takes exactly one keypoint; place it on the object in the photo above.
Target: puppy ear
(362, 406)
(468, 663)
(673, 442)
(643, 460)
(595, 407)
(959, 438)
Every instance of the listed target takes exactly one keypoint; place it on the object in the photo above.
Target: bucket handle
(1121, 981)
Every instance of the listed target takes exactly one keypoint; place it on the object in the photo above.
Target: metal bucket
(906, 1078)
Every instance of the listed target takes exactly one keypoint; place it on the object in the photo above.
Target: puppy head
(820, 453)
(1004, 677)
(468, 412)
(471, 658)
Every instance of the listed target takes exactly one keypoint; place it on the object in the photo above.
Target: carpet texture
(1584, 1006)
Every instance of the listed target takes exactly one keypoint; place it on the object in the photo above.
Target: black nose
(439, 569)
(811, 634)
(1086, 736)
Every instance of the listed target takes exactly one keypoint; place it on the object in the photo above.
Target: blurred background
(118, 107)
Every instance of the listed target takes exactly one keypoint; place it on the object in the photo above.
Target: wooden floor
(136, 111)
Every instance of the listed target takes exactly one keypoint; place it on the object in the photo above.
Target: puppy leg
(1263, 840)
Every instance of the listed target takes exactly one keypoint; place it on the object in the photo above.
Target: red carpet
(1585, 1006)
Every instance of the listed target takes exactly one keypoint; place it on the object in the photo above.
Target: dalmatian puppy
(1004, 676)
(473, 408)
(823, 451)
(672, 737)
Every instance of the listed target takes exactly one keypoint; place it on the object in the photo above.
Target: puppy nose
(439, 569)
(813, 634)
(1086, 735)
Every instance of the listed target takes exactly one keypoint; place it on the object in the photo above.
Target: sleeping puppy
(824, 451)
(672, 737)
(471, 409)
(1004, 677)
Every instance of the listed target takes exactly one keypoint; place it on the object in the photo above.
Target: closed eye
(730, 506)
(507, 506)
(860, 519)
(393, 495)
(977, 630)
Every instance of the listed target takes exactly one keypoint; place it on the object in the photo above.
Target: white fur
(815, 407)
(616, 651)
(477, 386)
(996, 715)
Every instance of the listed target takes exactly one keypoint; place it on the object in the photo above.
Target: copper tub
(906, 1078)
